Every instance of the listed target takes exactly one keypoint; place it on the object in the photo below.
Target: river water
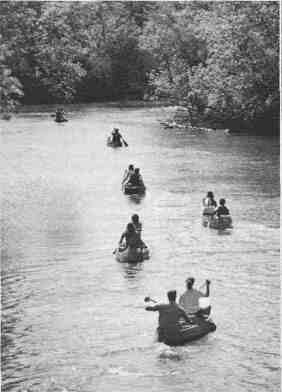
(73, 318)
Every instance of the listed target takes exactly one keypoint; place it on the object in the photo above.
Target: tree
(220, 60)
(10, 87)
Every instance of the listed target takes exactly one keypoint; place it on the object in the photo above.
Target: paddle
(148, 299)
(124, 142)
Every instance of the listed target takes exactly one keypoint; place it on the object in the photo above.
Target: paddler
(189, 300)
(222, 209)
(136, 178)
(138, 228)
(128, 173)
(169, 316)
(116, 137)
(209, 200)
(132, 239)
(60, 115)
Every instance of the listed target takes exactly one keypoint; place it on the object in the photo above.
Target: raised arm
(121, 238)
(207, 288)
(152, 308)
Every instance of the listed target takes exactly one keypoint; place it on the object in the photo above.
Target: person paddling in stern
(169, 316)
(116, 137)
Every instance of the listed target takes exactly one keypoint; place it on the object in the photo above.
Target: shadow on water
(224, 232)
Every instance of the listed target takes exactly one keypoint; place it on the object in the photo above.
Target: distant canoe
(132, 255)
(221, 223)
(129, 189)
(60, 120)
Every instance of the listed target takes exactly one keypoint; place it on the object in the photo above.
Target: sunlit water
(73, 318)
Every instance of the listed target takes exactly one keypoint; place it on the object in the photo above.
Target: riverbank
(181, 118)
(174, 116)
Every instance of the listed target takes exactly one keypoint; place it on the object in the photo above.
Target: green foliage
(219, 59)
(10, 87)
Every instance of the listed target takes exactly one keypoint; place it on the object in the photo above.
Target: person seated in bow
(209, 200)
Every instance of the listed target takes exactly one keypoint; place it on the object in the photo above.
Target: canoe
(185, 332)
(110, 143)
(129, 189)
(60, 120)
(221, 223)
(214, 222)
(131, 255)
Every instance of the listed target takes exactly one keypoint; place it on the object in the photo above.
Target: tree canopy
(218, 59)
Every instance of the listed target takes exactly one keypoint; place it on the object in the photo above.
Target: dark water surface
(73, 318)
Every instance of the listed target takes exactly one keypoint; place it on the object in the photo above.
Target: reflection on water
(224, 231)
(73, 317)
(131, 269)
(135, 199)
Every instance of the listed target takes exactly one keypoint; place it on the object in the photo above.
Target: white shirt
(190, 300)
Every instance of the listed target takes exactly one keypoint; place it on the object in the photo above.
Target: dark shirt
(60, 116)
(169, 314)
(135, 179)
(222, 210)
(132, 240)
(116, 138)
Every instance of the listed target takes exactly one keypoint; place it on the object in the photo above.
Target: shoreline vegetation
(218, 62)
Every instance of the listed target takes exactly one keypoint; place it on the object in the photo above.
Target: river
(73, 318)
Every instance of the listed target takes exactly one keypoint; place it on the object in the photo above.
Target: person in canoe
(116, 137)
(60, 115)
(222, 209)
(137, 224)
(190, 299)
(169, 316)
(209, 200)
(130, 237)
(209, 205)
(138, 228)
(128, 173)
(136, 178)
